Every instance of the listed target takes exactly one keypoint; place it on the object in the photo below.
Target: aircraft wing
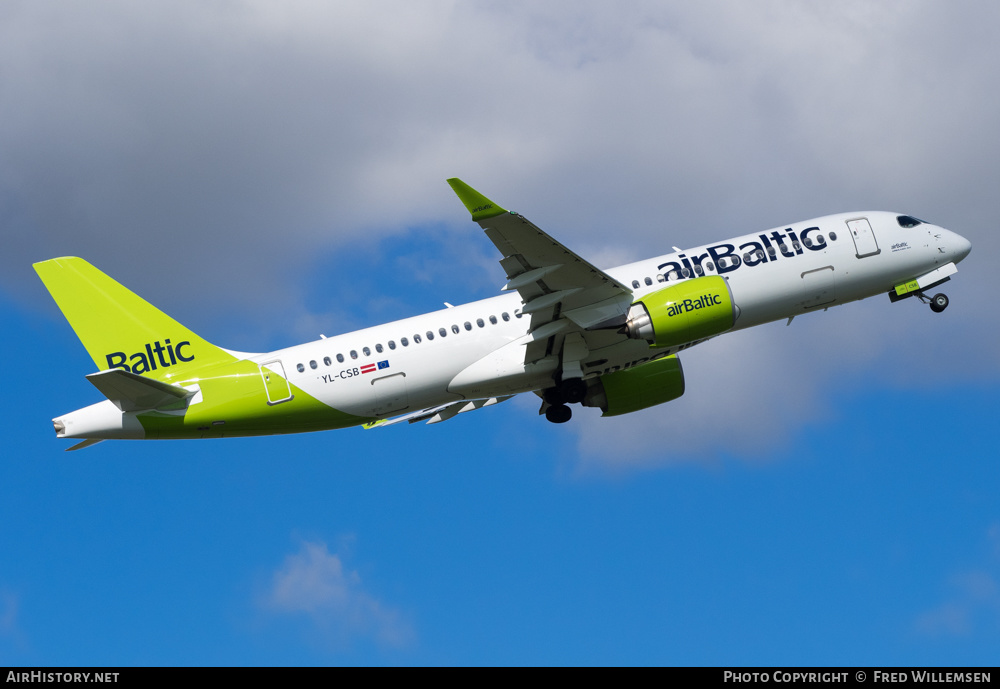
(561, 292)
(440, 413)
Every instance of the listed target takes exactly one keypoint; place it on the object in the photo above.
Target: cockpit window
(908, 221)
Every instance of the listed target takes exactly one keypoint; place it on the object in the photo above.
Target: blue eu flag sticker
(383, 364)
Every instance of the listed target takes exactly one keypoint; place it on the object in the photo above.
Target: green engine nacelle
(686, 312)
(637, 388)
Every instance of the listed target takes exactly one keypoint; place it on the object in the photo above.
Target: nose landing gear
(938, 303)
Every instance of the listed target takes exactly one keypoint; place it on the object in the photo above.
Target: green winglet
(477, 204)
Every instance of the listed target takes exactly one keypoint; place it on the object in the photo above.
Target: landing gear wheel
(939, 302)
(573, 390)
(554, 396)
(558, 413)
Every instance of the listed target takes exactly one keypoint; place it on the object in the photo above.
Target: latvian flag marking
(368, 368)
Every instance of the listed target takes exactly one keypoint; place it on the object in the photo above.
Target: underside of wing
(440, 413)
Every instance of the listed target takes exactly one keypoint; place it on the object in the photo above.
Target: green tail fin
(120, 329)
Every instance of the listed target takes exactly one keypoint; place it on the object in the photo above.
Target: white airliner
(564, 329)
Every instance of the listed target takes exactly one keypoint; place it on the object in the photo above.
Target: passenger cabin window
(430, 335)
(340, 358)
(480, 323)
(698, 269)
(505, 316)
(709, 265)
(648, 281)
(313, 364)
(455, 329)
(635, 284)
(326, 361)
(367, 351)
(468, 325)
(404, 341)
(442, 332)
(833, 236)
(660, 277)
(493, 320)
(908, 221)
(378, 348)
(300, 367)
(416, 339)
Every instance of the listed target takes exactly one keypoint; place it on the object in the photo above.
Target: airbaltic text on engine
(694, 304)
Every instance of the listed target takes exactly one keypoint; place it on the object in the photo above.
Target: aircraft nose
(961, 247)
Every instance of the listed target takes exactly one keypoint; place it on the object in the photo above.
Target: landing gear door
(275, 384)
(864, 238)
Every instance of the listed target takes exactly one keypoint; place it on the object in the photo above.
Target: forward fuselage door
(275, 384)
(864, 238)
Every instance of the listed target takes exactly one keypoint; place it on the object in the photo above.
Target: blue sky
(825, 493)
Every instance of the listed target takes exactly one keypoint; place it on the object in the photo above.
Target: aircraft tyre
(573, 390)
(558, 413)
(554, 396)
(939, 302)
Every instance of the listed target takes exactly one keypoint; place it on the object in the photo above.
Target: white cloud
(748, 393)
(8, 613)
(11, 634)
(974, 601)
(315, 583)
(234, 143)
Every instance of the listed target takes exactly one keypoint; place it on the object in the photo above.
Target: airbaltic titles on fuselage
(754, 252)
(144, 362)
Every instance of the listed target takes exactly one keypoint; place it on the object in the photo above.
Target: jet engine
(637, 388)
(686, 312)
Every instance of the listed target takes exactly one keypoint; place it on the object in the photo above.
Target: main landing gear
(558, 413)
(569, 391)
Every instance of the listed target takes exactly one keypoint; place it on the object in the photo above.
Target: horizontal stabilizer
(132, 392)
(86, 443)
